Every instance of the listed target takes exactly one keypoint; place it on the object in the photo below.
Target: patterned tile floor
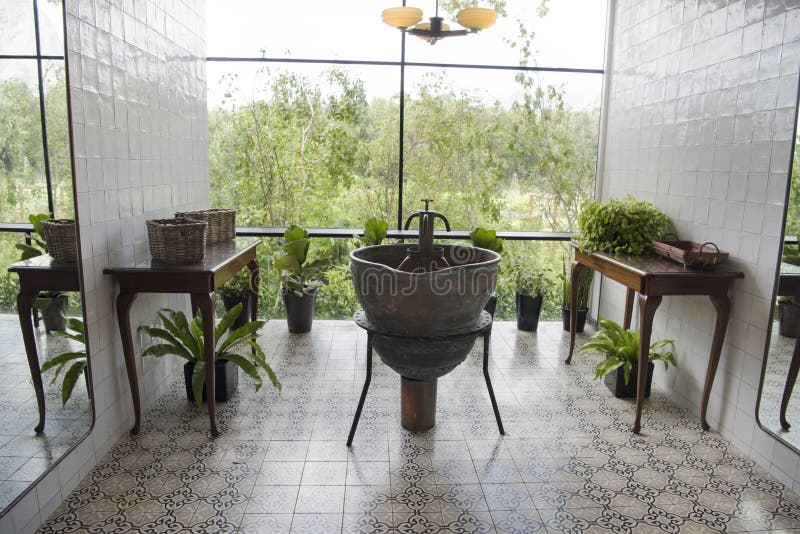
(780, 354)
(568, 463)
(24, 456)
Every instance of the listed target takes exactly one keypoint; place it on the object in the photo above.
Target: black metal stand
(487, 334)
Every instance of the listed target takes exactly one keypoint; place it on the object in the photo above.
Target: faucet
(426, 220)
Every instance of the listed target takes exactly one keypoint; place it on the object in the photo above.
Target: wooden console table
(789, 286)
(222, 261)
(41, 273)
(651, 278)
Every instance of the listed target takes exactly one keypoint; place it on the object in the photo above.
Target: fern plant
(76, 360)
(185, 339)
(621, 348)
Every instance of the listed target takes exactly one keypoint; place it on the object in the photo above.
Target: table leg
(723, 306)
(25, 302)
(575, 269)
(367, 380)
(647, 309)
(791, 378)
(626, 321)
(204, 302)
(487, 336)
(124, 302)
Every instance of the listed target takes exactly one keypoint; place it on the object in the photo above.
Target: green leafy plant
(620, 226)
(76, 360)
(621, 348)
(296, 275)
(375, 231)
(238, 286)
(37, 246)
(585, 278)
(529, 280)
(185, 339)
(487, 239)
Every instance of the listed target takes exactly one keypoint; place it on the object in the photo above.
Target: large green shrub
(624, 226)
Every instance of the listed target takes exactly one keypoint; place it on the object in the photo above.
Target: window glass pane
(570, 34)
(308, 29)
(505, 151)
(22, 179)
(313, 145)
(51, 28)
(9, 282)
(16, 20)
(58, 138)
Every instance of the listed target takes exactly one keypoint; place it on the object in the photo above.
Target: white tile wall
(700, 112)
(138, 99)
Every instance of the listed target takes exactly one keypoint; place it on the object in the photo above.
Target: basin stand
(417, 404)
(419, 390)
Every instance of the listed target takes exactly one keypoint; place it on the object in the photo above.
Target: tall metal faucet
(426, 221)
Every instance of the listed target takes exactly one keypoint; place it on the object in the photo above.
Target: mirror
(40, 300)
(778, 408)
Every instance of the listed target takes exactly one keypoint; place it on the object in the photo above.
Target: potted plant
(488, 239)
(585, 277)
(185, 339)
(626, 226)
(235, 291)
(77, 361)
(375, 231)
(299, 281)
(620, 367)
(531, 287)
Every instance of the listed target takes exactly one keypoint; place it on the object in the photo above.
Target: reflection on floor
(24, 455)
(568, 462)
(780, 354)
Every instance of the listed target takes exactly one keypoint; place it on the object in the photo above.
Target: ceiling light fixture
(474, 19)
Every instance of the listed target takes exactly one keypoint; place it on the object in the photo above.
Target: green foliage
(75, 360)
(186, 340)
(620, 226)
(37, 246)
(375, 231)
(529, 280)
(296, 275)
(621, 348)
(486, 239)
(238, 286)
(585, 278)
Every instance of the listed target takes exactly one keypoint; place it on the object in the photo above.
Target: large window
(317, 118)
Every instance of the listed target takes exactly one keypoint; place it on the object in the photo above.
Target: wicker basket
(178, 240)
(59, 234)
(221, 223)
(690, 254)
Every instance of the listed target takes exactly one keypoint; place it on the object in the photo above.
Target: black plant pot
(226, 380)
(528, 310)
(788, 318)
(491, 304)
(616, 382)
(299, 311)
(244, 317)
(582, 313)
(55, 315)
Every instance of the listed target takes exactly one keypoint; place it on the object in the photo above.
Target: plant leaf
(198, 381)
(70, 378)
(244, 363)
(227, 320)
(163, 349)
(61, 359)
(263, 364)
(240, 335)
(294, 232)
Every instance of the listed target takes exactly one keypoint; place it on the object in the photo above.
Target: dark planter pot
(226, 380)
(299, 311)
(244, 317)
(788, 318)
(491, 304)
(616, 382)
(582, 313)
(55, 315)
(528, 310)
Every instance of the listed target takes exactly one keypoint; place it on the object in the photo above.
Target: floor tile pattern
(568, 463)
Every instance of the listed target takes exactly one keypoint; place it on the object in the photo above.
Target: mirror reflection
(779, 405)
(45, 403)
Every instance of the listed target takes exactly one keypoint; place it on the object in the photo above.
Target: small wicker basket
(178, 240)
(59, 234)
(221, 223)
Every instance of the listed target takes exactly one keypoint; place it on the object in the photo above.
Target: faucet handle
(426, 201)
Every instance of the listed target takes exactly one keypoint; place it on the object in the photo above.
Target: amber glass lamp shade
(401, 17)
(476, 18)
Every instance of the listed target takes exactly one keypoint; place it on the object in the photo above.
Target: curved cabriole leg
(626, 321)
(204, 302)
(722, 304)
(647, 309)
(575, 269)
(791, 378)
(25, 302)
(124, 302)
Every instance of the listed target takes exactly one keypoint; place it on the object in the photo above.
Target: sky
(572, 35)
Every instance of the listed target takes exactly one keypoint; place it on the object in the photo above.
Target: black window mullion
(46, 151)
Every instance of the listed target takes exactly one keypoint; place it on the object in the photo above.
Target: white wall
(139, 120)
(701, 106)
